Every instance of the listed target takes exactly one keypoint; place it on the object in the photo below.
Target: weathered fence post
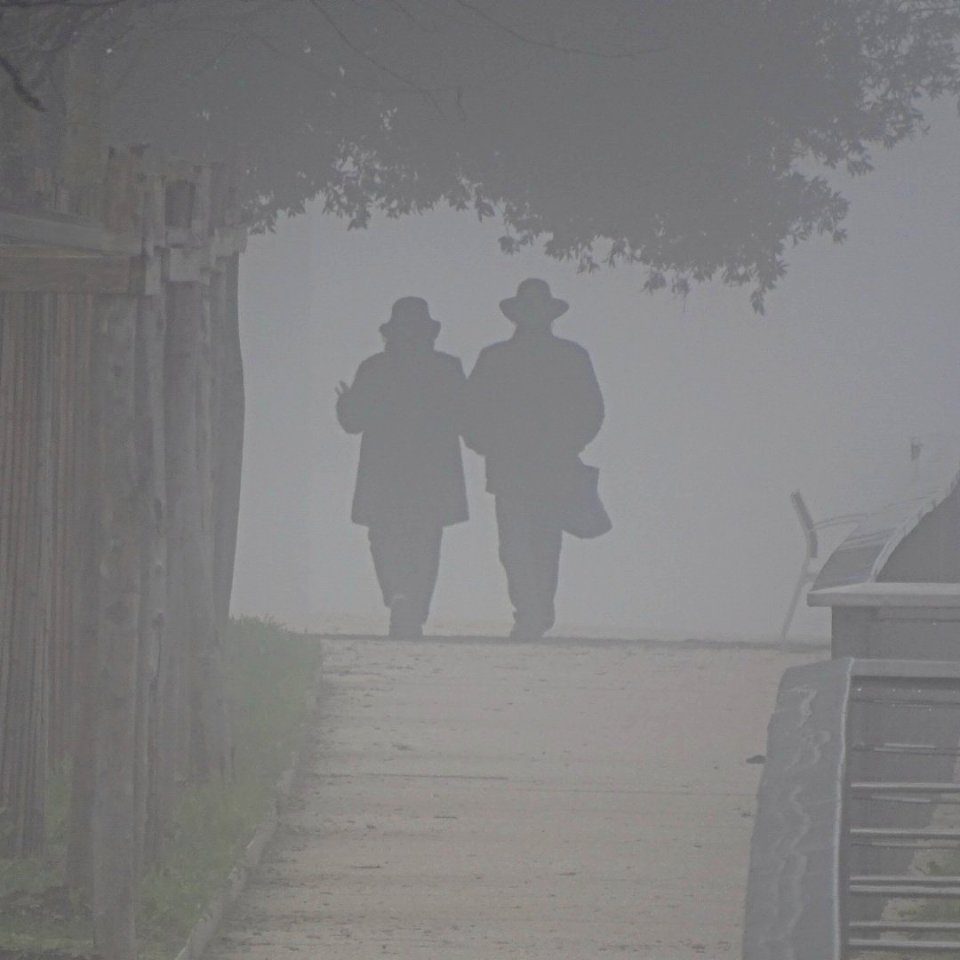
(86, 619)
(193, 624)
(113, 820)
(228, 419)
(25, 543)
(121, 415)
(151, 451)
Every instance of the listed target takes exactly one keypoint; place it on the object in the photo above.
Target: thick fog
(713, 414)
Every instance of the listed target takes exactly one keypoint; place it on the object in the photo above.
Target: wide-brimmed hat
(533, 301)
(410, 317)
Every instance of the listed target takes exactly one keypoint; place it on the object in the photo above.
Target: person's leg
(387, 548)
(406, 557)
(383, 551)
(547, 540)
(519, 554)
(422, 551)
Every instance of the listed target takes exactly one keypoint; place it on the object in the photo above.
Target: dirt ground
(485, 799)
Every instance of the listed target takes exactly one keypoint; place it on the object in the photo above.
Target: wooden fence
(121, 420)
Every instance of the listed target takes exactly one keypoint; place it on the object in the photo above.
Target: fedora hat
(410, 317)
(533, 301)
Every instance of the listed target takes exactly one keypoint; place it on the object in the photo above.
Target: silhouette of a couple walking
(530, 406)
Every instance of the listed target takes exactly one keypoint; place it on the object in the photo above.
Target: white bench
(808, 574)
(893, 585)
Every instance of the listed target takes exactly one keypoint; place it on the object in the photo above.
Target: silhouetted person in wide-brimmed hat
(533, 404)
(407, 402)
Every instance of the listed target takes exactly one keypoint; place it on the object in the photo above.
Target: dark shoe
(526, 631)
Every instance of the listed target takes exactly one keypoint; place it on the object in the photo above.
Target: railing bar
(903, 702)
(905, 892)
(913, 946)
(903, 845)
(881, 786)
(905, 879)
(903, 833)
(906, 926)
(903, 744)
(894, 798)
(920, 749)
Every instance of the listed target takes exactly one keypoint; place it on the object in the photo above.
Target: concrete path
(487, 800)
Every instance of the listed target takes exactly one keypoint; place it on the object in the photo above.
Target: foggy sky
(713, 414)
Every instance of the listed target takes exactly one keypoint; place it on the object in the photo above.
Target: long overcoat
(533, 404)
(409, 409)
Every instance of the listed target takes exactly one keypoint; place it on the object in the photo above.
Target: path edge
(211, 920)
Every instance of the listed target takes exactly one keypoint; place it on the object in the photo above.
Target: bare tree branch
(556, 47)
(47, 29)
(373, 61)
(67, 4)
(19, 87)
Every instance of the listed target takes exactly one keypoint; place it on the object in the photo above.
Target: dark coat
(409, 408)
(533, 404)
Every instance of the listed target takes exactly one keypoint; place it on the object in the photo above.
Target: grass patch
(270, 679)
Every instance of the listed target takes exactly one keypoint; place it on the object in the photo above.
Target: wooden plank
(59, 230)
(907, 926)
(65, 274)
(113, 818)
(188, 264)
(191, 627)
(912, 947)
(25, 527)
(884, 669)
(874, 594)
(888, 787)
(228, 241)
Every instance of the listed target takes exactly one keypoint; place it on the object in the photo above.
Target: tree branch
(69, 4)
(373, 61)
(56, 25)
(19, 87)
(555, 47)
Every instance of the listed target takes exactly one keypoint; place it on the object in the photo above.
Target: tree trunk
(192, 618)
(228, 436)
(114, 826)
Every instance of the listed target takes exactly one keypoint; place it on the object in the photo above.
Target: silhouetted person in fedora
(533, 404)
(407, 402)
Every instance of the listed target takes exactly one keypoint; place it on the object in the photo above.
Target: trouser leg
(422, 569)
(548, 540)
(406, 557)
(386, 550)
(530, 542)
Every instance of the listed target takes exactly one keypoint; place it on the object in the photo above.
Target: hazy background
(713, 414)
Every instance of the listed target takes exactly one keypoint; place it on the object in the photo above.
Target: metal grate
(901, 814)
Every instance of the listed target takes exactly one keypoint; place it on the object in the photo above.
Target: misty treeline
(686, 137)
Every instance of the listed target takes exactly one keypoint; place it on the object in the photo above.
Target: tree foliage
(685, 136)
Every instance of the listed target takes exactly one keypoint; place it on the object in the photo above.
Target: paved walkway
(491, 800)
